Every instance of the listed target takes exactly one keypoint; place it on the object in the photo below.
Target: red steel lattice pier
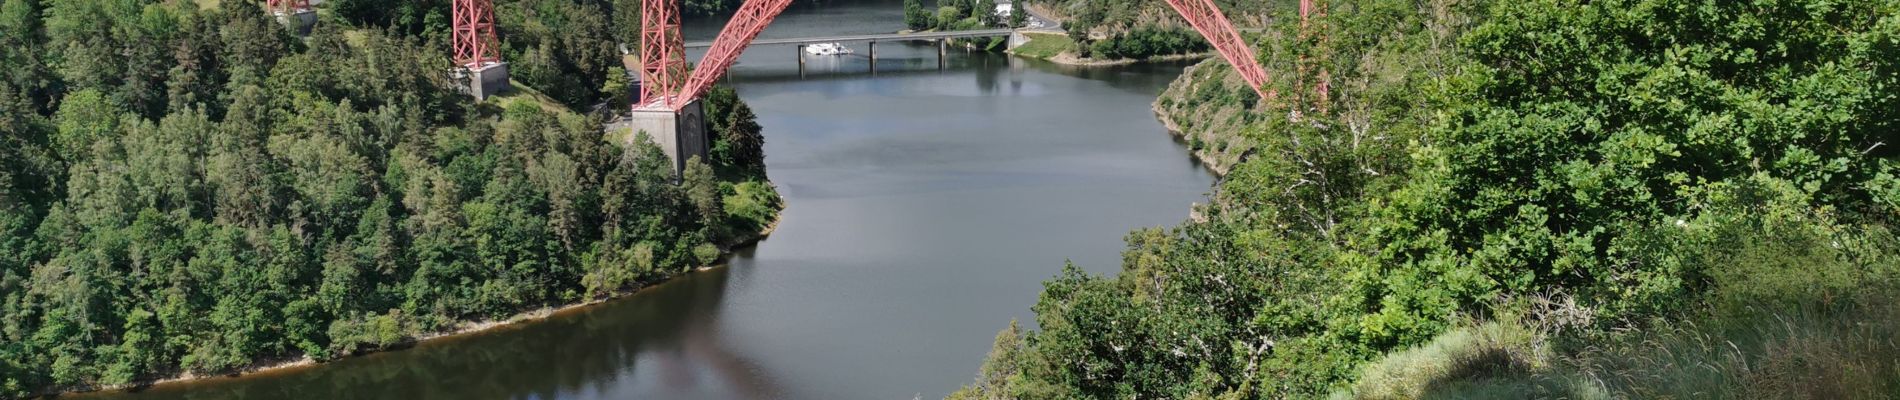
(474, 37)
(287, 7)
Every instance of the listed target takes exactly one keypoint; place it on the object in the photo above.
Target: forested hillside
(1139, 29)
(1517, 199)
(188, 190)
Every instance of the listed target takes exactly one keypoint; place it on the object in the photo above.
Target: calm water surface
(925, 209)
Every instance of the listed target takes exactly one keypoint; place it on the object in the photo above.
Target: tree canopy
(196, 190)
(1633, 162)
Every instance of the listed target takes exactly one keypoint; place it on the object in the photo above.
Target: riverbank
(1070, 59)
(1060, 49)
(460, 330)
(751, 212)
(1193, 110)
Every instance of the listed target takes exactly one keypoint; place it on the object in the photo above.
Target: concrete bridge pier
(873, 47)
(482, 80)
(299, 21)
(943, 46)
(681, 134)
(801, 60)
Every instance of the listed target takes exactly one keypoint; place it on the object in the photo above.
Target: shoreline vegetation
(959, 15)
(1114, 32)
(1485, 209)
(192, 192)
(1211, 128)
(1061, 50)
(1057, 48)
(463, 329)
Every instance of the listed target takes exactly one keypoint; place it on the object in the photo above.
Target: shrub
(752, 205)
(1491, 350)
(947, 17)
(706, 253)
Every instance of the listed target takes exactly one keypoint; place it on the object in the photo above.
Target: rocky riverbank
(1199, 108)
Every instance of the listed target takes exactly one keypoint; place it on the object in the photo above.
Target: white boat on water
(827, 49)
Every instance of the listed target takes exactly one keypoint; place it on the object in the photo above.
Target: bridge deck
(882, 37)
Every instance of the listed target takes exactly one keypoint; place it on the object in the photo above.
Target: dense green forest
(190, 190)
(564, 48)
(567, 49)
(1516, 199)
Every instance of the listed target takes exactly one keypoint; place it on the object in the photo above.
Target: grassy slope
(1200, 108)
(1044, 45)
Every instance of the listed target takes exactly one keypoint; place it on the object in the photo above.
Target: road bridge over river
(882, 37)
(941, 37)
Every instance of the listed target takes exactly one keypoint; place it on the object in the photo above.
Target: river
(925, 208)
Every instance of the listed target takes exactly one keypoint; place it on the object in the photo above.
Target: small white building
(1002, 10)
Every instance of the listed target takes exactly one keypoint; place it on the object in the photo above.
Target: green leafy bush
(265, 198)
(1650, 161)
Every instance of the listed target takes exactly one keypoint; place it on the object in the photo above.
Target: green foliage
(1087, 20)
(618, 88)
(1451, 364)
(1148, 42)
(739, 151)
(23, 51)
(985, 11)
(993, 379)
(702, 191)
(194, 190)
(751, 205)
(914, 15)
(1044, 45)
(563, 48)
(1018, 17)
(963, 15)
(1811, 353)
(422, 18)
(1801, 306)
(708, 7)
(948, 16)
(1646, 161)
(1576, 143)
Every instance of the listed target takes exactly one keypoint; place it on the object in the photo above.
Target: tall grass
(1808, 353)
(1849, 352)
(1496, 360)
(1840, 349)
(1044, 45)
(1797, 306)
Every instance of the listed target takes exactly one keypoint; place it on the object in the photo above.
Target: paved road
(1046, 24)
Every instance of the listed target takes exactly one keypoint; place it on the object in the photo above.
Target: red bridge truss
(662, 53)
(1207, 19)
(287, 7)
(474, 36)
(745, 26)
(666, 83)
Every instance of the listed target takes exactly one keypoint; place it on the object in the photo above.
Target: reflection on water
(926, 206)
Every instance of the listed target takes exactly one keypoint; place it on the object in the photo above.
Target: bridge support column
(873, 47)
(943, 46)
(484, 81)
(299, 21)
(681, 134)
(801, 60)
